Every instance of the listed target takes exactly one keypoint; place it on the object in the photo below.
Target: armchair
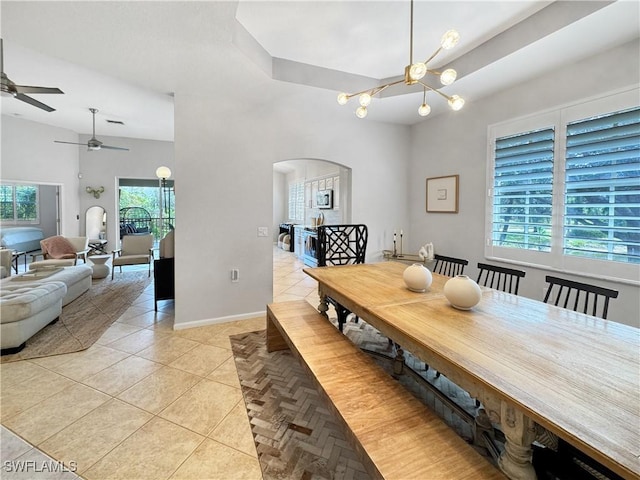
(60, 251)
(5, 262)
(136, 250)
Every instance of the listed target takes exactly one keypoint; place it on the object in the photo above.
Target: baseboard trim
(215, 321)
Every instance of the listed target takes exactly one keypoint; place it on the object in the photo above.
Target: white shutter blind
(300, 203)
(296, 201)
(522, 190)
(602, 187)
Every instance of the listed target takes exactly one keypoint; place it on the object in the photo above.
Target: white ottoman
(26, 309)
(77, 280)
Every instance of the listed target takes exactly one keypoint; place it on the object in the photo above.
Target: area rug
(296, 436)
(84, 320)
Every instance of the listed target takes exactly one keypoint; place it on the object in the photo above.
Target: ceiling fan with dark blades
(94, 143)
(18, 91)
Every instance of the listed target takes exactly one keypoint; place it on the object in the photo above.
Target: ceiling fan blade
(34, 102)
(113, 148)
(29, 89)
(70, 143)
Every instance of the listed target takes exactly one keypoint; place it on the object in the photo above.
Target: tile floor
(145, 401)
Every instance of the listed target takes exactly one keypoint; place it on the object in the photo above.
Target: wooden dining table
(531, 364)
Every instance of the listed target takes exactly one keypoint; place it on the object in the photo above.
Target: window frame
(298, 203)
(556, 260)
(15, 220)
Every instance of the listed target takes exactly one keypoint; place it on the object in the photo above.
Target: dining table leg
(519, 430)
(323, 306)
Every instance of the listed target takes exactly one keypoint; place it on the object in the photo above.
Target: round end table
(100, 267)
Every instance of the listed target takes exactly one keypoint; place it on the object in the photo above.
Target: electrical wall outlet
(235, 275)
(263, 231)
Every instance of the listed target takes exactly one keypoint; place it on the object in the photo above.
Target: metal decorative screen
(342, 244)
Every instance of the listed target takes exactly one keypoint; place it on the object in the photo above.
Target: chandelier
(413, 74)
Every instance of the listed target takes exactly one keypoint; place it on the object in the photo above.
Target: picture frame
(442, 194)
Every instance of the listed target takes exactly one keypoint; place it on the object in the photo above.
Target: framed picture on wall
(442, 194)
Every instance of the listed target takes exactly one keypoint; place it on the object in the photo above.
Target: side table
(408, 257)
(96, 246)
(163, 280)
(15, 256)
(100, 267)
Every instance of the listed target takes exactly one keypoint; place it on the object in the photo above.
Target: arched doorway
(296, 184)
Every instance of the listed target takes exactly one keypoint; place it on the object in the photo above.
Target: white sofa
(27, 306)
(27, 309)
(77, 280)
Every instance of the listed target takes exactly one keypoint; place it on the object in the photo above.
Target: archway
(296, 184)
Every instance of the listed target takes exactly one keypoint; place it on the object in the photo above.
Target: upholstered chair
(136, 250)
(54, 255)
(167, 245)
(5, 262)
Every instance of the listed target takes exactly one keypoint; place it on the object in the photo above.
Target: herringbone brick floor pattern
(296, 436)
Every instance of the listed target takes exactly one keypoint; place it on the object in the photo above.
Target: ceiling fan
(94, 143)
(18, 91)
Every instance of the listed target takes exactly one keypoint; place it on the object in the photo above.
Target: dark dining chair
(579, 297)
(341, 245)
(500, 278)
(449, 266)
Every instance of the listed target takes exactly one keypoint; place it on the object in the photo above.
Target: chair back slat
(569, 290)
(506, 279)
(342, 244)
(449, 266)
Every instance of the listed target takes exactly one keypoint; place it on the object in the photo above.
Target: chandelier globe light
(413, 74)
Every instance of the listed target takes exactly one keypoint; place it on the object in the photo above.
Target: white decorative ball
(462, 292)
(417, 277)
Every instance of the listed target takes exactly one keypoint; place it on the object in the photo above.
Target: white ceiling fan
(9, 88)
(94, 143)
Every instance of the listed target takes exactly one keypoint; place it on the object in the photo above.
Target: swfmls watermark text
(38, 466)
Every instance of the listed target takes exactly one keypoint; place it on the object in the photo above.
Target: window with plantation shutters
(522, 190)
(602, 187)
(564, 189)
(296, 201)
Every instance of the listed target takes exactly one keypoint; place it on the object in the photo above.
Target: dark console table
(163, 280)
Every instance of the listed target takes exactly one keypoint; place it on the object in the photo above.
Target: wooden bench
(396, 436)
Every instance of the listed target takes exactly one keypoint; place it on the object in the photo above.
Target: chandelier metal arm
(413, 73)
(375, 90)
(444, 95)
(384, 87)
(433, 55)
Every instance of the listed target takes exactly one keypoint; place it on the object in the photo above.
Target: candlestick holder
(400, 246)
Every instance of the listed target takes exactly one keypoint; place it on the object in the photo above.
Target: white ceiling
(127, 58)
